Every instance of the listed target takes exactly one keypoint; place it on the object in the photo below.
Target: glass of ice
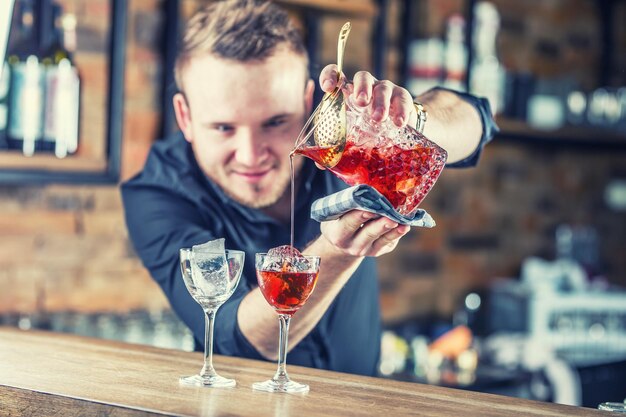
(286, 280)
(211, 278)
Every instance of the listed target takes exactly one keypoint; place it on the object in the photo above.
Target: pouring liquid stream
(400, 163)
(327, 122)
(293, 198)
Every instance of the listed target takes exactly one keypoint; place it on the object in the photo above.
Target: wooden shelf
(82, 169)
(363, 8)
(15, 160)
(569, 135)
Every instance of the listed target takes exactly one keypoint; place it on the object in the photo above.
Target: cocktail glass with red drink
(286, 280)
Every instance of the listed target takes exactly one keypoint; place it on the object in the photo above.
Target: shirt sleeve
(490, 128)
(159, 224)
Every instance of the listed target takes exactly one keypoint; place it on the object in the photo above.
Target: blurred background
(519, 290)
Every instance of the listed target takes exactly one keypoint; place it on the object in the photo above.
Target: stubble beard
(261, 197)
(257, 196)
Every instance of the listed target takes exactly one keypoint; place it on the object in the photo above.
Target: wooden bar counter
(45, 373)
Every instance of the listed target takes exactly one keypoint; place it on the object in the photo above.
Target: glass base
(215, 381)
(272, 385)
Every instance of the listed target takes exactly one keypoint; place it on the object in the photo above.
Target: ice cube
(216, 245)
(210, 267)
(284, 251)
(285, 258)
(210, 274)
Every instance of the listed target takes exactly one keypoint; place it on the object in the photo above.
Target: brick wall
(490, 218)
(65, 247)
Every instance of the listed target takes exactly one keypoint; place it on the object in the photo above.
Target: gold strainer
(327, 123)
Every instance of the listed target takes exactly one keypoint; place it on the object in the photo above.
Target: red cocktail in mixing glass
(400, 163)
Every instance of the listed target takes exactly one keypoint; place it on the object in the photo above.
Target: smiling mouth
(253, 177)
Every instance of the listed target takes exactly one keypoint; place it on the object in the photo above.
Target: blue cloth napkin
(366, 198)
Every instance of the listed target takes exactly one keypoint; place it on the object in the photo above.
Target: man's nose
(251, 149)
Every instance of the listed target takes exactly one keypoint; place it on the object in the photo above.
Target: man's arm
(343, 245)
(159, 224)
(453, 123)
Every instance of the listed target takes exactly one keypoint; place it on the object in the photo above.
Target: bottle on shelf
(426, 64)
(5, 76)
(62, 83)
(31, 105)
(44, 98)
(5, 81)
(487, 73)
(455, 55)
(26, 85)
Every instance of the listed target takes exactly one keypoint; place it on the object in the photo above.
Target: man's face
(242, 120)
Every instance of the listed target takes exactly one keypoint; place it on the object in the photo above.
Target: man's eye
(223, 128)
(275, 123)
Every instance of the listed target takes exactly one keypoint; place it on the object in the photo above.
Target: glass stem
(209, 320)
(281, 372)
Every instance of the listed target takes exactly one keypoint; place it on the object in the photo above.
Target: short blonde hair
(241, 30)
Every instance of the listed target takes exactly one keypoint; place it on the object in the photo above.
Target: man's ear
(183, 115)
(308, 95)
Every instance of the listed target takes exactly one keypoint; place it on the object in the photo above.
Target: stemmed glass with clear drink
(211, 278)
(286, 282)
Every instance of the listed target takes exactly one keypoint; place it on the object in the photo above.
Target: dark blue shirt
(171, 204)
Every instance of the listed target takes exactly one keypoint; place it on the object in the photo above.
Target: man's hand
(342, 246)
(383, 98)
(453, 123)
(360, 233)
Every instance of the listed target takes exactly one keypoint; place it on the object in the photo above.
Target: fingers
(381, 100)
(328, 78)
(389, 100)
(344, 229)
(378, 237)
(387, 242)
(401, 107)
(384, 97)
(363, 85)
(370, 233)
(359, 233)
